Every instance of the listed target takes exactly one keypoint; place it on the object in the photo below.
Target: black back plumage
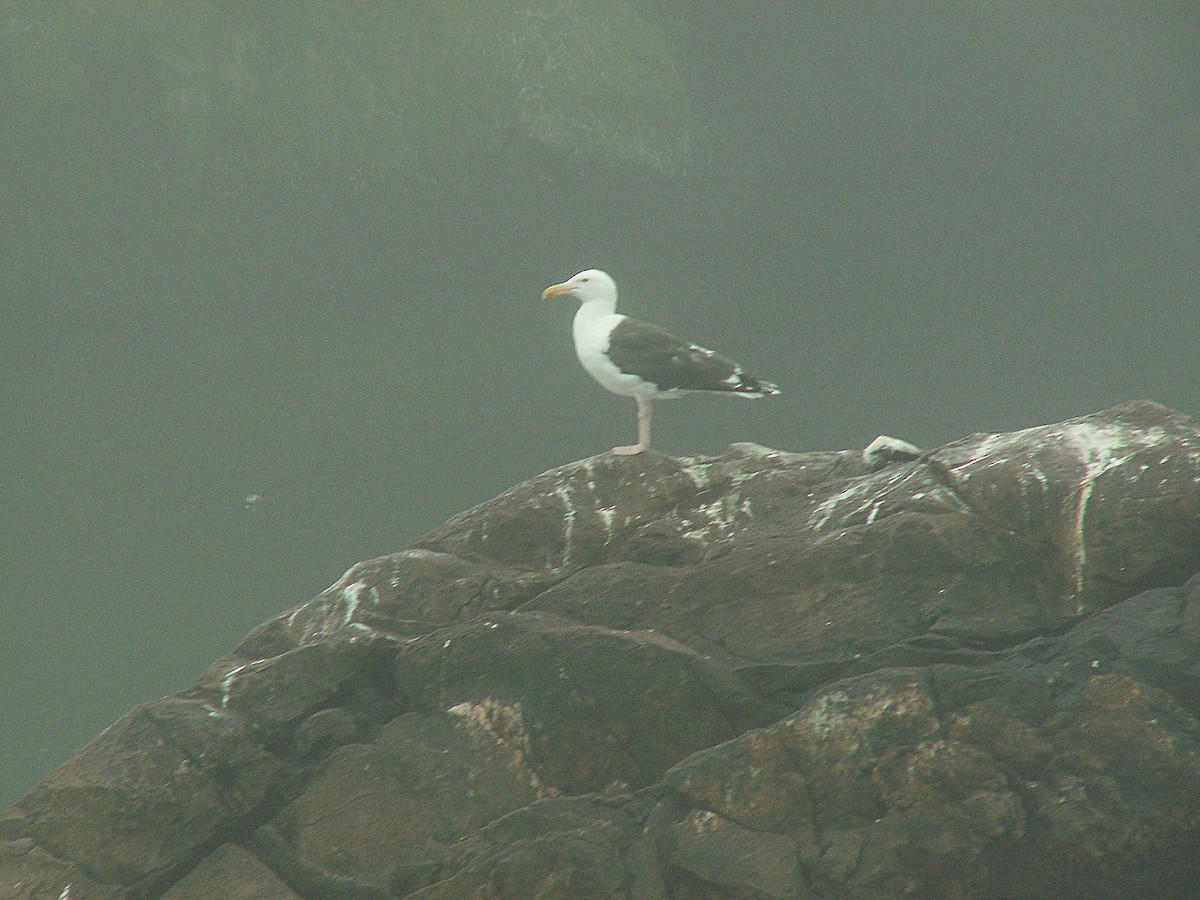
(671, 363)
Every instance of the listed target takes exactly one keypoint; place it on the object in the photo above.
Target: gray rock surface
(971, 673)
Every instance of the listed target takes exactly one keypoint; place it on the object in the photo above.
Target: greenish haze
(295, 251)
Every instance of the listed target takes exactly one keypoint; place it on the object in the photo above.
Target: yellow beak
(555, 290)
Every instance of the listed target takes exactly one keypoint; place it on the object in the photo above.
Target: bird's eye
(585, 280)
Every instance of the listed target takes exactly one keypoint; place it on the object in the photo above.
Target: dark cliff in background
(760, 674)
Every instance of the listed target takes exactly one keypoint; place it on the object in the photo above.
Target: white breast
(591, 329)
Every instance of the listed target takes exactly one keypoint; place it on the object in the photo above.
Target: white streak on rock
(227, 683)
(351, 596)
(860, 495)
(697, 474)
(1100, 448)
(568, 521)
(420, 553)
(589, 466)
(231, 677)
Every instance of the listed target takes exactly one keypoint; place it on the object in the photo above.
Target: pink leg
(644, 411)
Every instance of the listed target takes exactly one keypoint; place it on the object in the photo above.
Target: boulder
(968, 671)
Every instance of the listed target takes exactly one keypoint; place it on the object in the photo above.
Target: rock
(568, 848)
(972, 670)
(231, 873)
(382, 813)
(147, 799)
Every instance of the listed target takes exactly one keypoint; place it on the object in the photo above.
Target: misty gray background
(297, 250)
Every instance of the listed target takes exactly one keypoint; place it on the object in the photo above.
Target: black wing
(671, 363)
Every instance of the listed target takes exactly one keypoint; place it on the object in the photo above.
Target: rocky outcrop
(975, 672)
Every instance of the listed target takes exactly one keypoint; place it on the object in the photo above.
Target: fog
(272, 274)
